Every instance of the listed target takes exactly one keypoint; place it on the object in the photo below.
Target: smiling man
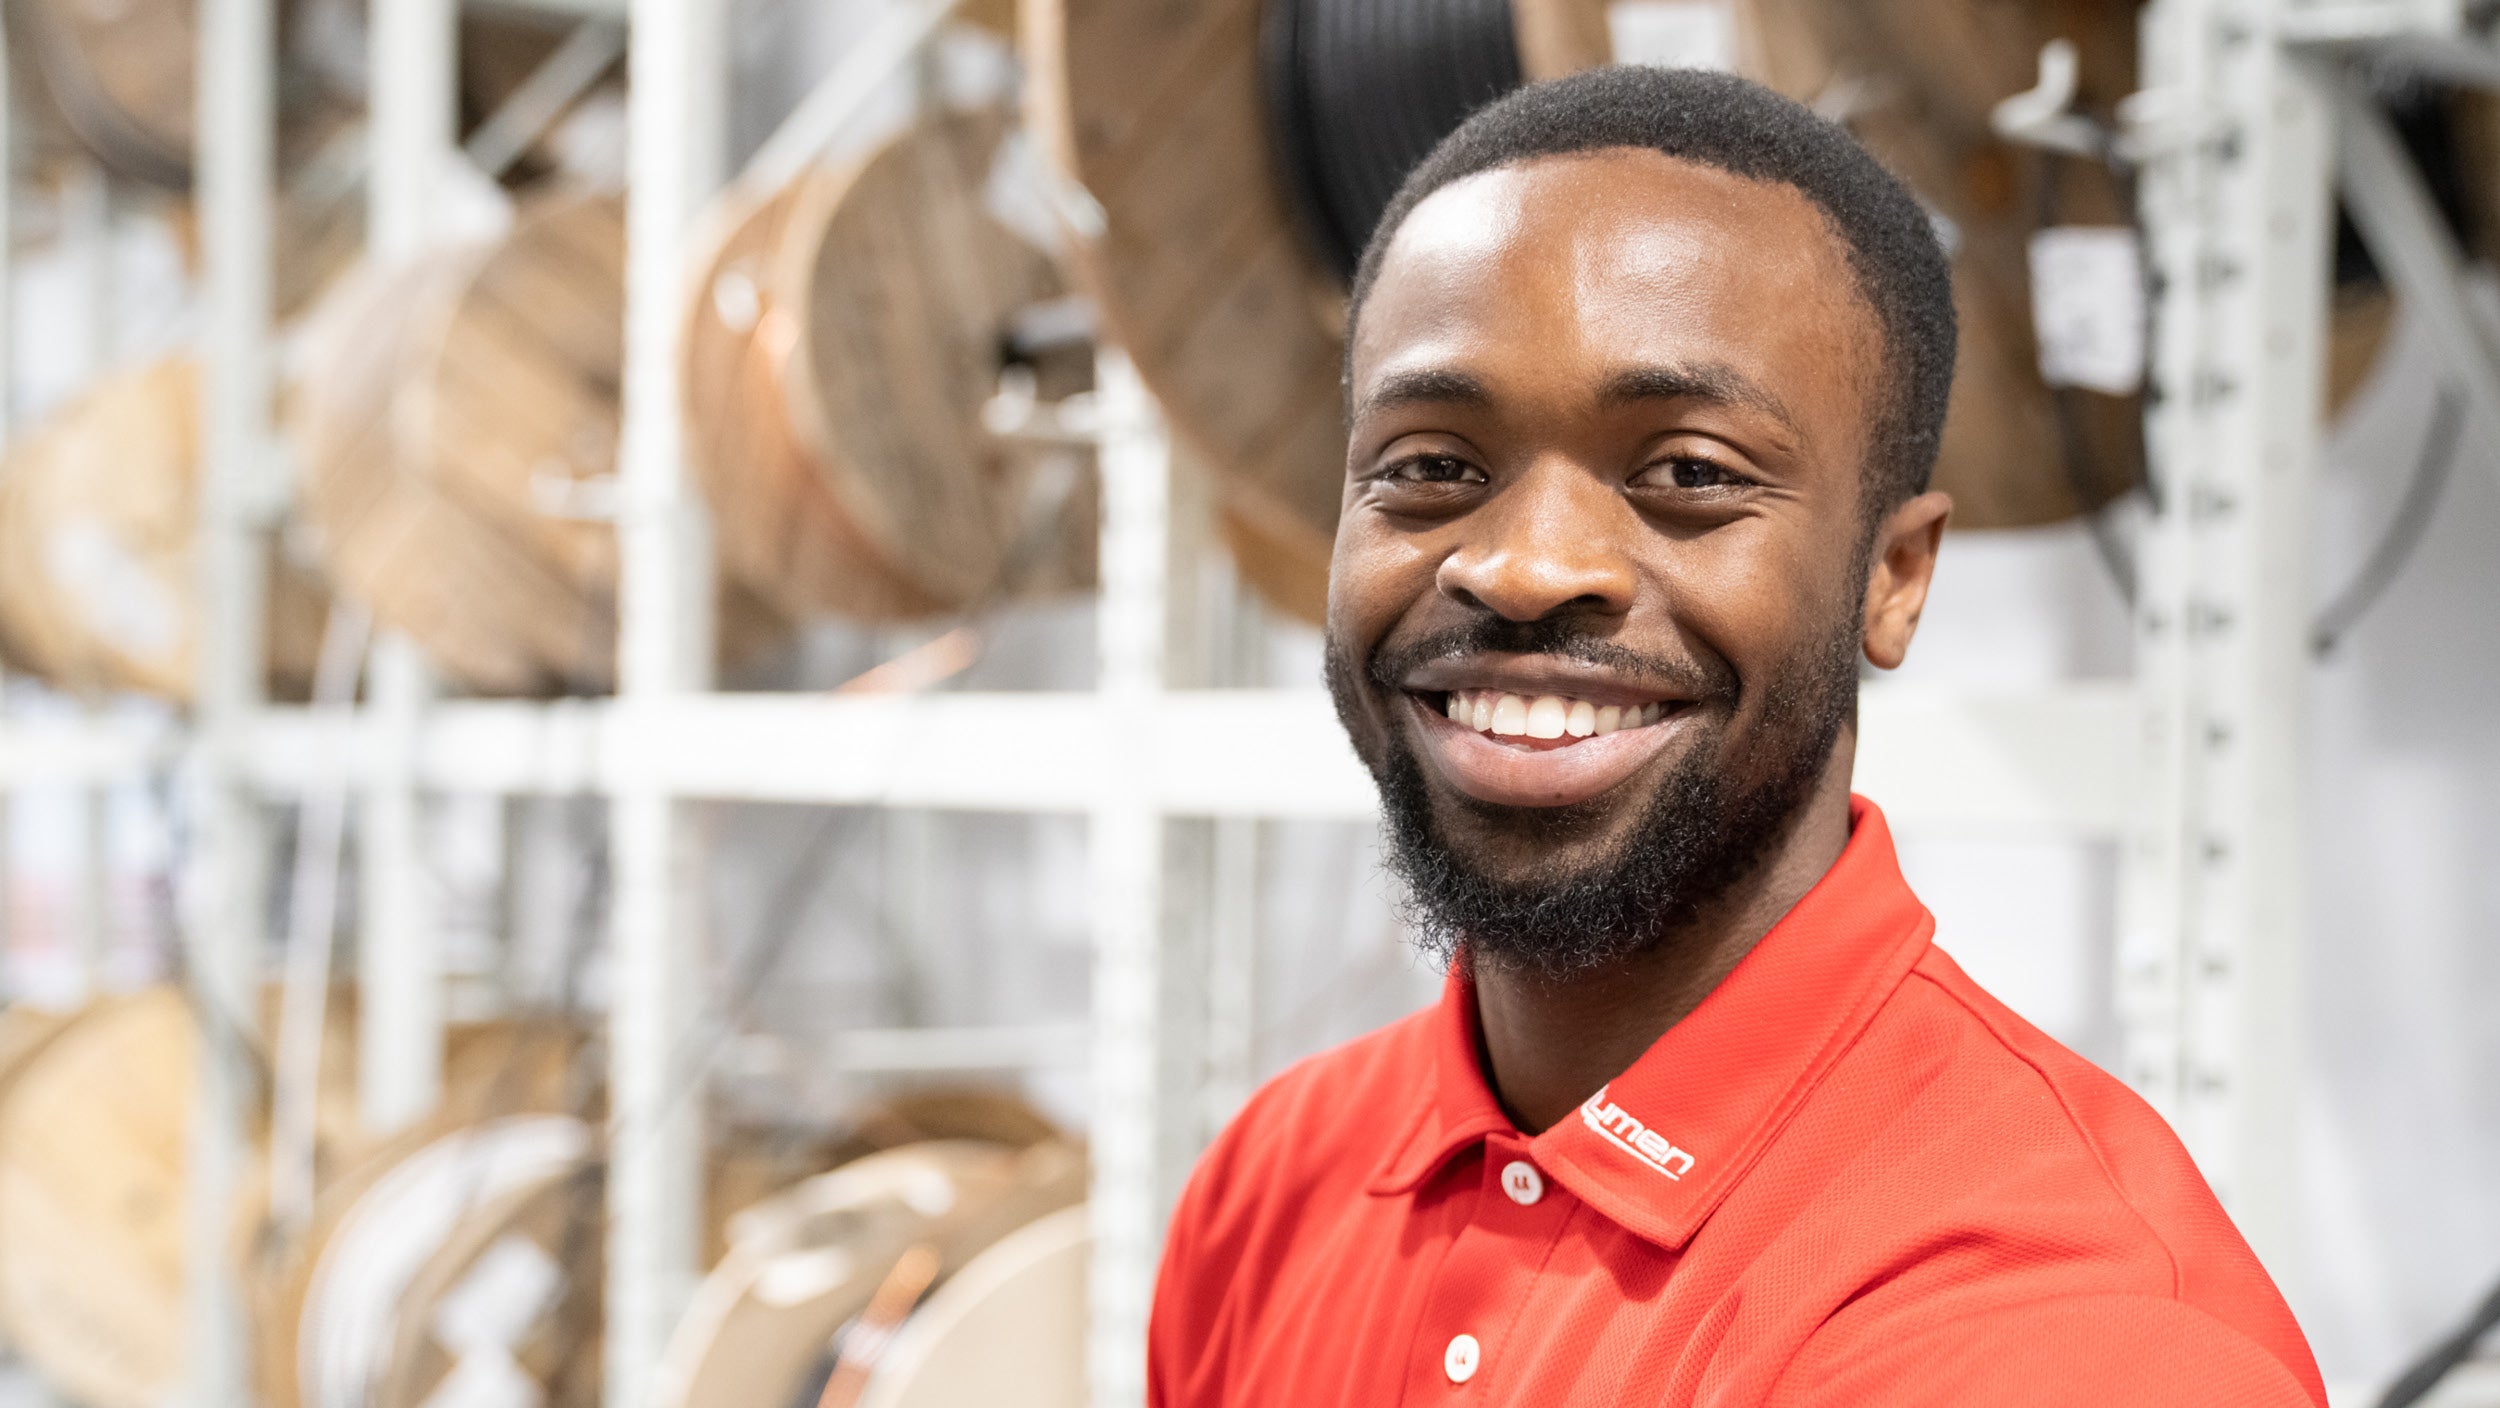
(1646, 372)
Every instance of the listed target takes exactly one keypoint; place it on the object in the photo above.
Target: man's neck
(1549, 1044)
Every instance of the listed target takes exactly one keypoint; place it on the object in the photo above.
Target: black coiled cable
(1359, 91)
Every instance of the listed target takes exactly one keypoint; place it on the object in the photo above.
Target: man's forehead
(1625, 248)
(1578, 189)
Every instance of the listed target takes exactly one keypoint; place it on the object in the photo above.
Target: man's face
(1597, 597)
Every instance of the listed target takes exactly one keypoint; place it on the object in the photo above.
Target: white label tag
(1673, 33)
(2087, 307)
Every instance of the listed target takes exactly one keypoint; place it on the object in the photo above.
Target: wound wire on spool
(1359, 91)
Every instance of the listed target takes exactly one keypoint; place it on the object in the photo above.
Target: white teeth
(1547, 716)
(1510, 715)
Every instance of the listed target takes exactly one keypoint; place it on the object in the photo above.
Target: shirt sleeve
(2106, 1351)
(1182, 1325)
(1168, 1331)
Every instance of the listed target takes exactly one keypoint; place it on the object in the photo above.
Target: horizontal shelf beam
(2060, 761)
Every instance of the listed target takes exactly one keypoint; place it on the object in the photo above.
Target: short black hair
(1745, 129)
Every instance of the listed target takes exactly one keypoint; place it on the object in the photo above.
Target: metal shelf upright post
(240, 490)
(411, 135)
(2234, 190)
(1134, 1029)
(676, 138)
(2252, 111)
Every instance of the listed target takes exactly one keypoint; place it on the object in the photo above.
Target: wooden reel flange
(1155, 108)
(846, 336)
(458, 426)
(98, 563)
(800, 1266)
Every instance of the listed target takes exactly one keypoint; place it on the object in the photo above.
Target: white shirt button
(1459, 1360)
(1522, 1182)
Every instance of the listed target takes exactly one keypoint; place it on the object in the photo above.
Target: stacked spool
(1213, 259)
(321, 1281)
(482, 1235)
(846, 336)
(94, 1139)
(466, 1258)
(814, 1281)
(119, 77)
(1009, 1328)
(1929, 74)
(458, 425)
(99, 509)
(117, 83)
(1198, 270)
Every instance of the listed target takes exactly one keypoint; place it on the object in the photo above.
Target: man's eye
(1691, 473)
(1433, 469)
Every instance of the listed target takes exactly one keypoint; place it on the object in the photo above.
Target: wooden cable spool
(1154, 107)
(512, 1296)
(2015, 452)
(92, 1148)
(94, 1141)
(389, 1241)
(799, 1267)
(1203, 272)
(842, 343)
(470, 1248)
(456, 415)
(98, 521)
(521, 1070)
(119, 72)
(95, 1114)
(1927, 75)
(1009, 1328)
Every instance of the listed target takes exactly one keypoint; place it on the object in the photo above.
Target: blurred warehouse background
(661, 732)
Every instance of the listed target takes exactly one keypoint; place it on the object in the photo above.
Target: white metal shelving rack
(2237, 134)
(2251, 113)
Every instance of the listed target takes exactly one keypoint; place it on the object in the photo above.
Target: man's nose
(1548, 543)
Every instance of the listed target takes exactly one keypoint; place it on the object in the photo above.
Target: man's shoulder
(2033, 1178)
(2042, 1105)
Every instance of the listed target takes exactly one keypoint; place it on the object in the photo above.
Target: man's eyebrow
(1424, 386)
(1697, 381)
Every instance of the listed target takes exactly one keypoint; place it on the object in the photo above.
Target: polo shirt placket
(1482, 1286)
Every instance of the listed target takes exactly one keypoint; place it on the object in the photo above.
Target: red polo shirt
(1849, 1177)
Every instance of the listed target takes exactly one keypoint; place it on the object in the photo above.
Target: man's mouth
(1545, 717)
(1540, 750)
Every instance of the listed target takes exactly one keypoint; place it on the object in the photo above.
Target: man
(1646, 373)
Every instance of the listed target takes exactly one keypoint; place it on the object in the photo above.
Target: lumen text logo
(1620, 1129)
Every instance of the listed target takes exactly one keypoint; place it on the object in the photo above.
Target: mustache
(1563, 637)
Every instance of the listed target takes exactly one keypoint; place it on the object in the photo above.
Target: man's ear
(1896, 584)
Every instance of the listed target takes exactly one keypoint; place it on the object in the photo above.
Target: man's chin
(1523, 846)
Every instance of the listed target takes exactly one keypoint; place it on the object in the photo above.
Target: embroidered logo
(1617, 1126)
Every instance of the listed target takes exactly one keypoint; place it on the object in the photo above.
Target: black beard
(1707, 827)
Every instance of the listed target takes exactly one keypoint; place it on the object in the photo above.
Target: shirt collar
(1660, 1145)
